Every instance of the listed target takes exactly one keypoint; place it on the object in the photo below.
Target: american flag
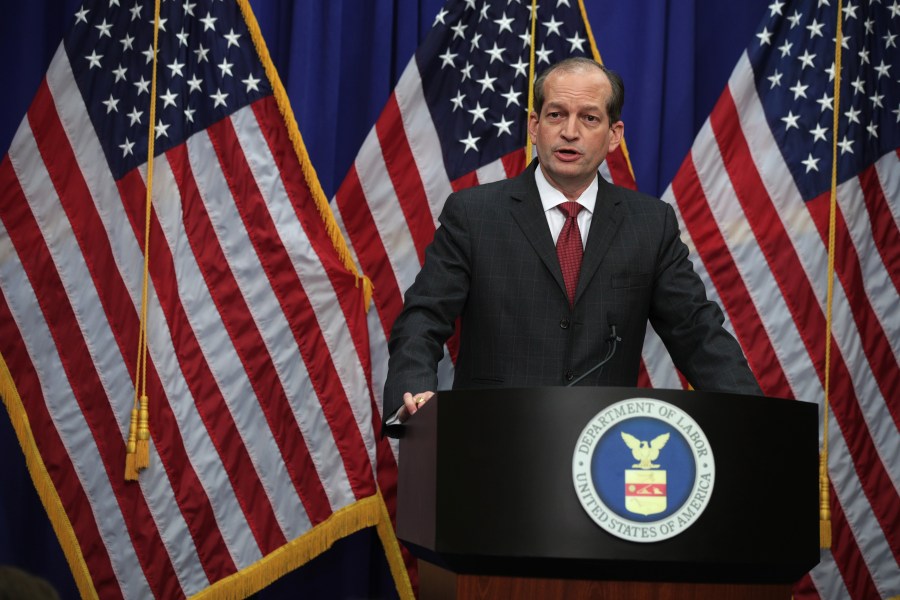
(457, 118)
(262, 423)
(753, 201)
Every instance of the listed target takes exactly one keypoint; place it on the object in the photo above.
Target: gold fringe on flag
(309, 173)
(824, 483)
(46, 491)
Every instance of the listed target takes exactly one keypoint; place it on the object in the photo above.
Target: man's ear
(616, 133)
(532, 126)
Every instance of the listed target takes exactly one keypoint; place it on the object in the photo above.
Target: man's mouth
(567, 154)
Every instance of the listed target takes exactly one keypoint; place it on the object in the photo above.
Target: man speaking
(543, 269)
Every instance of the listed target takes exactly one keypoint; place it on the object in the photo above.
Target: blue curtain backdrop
(339, 60)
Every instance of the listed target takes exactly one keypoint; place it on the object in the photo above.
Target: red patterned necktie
(569, 248)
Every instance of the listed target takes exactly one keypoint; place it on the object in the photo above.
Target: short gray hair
(616, 98)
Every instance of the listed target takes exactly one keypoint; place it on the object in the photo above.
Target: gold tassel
(130, 469)
(142, 454)
(824, 504)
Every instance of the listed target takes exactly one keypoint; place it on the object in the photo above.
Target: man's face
(573, 134)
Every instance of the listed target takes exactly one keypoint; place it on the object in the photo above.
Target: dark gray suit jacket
(493, 263)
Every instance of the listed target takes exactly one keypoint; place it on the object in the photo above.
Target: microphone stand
(615, 339)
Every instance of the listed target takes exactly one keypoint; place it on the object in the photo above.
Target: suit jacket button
(570, 375)
(564, 323)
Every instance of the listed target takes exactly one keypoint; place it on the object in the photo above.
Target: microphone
(611, 343)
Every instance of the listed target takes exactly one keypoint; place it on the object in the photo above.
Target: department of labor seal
(643, 470)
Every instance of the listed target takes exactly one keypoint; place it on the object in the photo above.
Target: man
(506, 256)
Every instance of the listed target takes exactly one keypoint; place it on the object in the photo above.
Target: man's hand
(412, 403)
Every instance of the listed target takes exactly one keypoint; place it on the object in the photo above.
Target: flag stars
(119, 73)
(503, 126)
(505, 23)
(447, 59)
(176, 68)
(466, 71)
(552, 26)
(194, 84)
(143, 86)
(799, 90)
(219, 98)
(457, 101)
(478, 113)
(543, 55)
(806, 59)
(849, 11)
(162, 24)
(858, 84)
(895, 9)
(869, 24)
(168, 98)
(853, 115)
(202, 53)
(496, 53)
(135, 116)
(209, 22)
(127, 148)
(794, 19)
(819, 133)
(232, 38)
(189, 114)
(825, 102)
(182, 37)
(876, 100)
(774, 79)
(149, 53)
(577, 43)
(512, 97)
(127, 42)
(476, 39)
(252, 83)
(811, 163)
(440, 17)
(882, 69)
(104, 28)
(765, 37)
(864, 56)
(459, 30)
(94, 59)
(470, 143)
(188, 8)
(846, 146)
(815, 29)
(81, 15)
(226, 67)
(135, 11)
(111, 104)
(889, 40)
(872, 129)
(785, 48)
(790, 121)
(487, 82)
(161, 129)
(775, 8)
(521, 68)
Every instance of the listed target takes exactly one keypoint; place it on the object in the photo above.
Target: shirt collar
(551, 197)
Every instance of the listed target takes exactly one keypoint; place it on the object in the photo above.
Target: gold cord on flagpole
(531, 75)
(824, 485)
(137, 455)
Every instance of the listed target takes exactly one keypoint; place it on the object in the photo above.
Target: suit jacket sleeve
(691, 326)
(431, 307)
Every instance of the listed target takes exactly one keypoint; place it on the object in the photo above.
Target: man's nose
(570, 128)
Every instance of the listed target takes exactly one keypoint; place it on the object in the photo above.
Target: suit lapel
(605, 222)
(528, 212)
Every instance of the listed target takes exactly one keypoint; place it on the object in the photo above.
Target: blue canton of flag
(475, 74)
(794, 64)
(204, 73)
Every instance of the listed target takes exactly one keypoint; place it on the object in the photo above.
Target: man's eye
(591, 119)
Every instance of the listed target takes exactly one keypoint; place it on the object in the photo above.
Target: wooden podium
(486, 499)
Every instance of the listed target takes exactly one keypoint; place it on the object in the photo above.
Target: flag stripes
(262, 419)
(735, 176)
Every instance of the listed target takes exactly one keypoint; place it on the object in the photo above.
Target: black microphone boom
(615, 339)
